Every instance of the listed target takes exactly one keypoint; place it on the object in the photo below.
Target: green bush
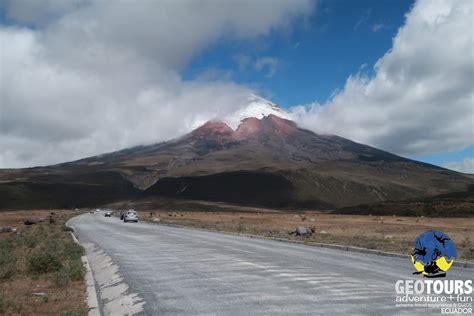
(76, 270)
(43, 262)
(53, 246)
(29, 241)
(7, 259)
(7, 266)
(61, 278)
(40, 229)
(73, 250)
(6, 245)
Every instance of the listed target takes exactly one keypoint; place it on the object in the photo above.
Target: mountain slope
(268, 161)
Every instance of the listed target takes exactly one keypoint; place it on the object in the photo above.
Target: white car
(130, 216)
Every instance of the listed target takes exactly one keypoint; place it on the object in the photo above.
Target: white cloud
(38, 12)
(363, 19)
(379, 26)
(421, 98)
(268, 63)
(466, 166)
(244, 61)
(96, 76)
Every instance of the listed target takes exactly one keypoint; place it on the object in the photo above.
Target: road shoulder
(107, 291)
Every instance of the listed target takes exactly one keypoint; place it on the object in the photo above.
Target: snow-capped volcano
(265, 160)
(257, 107)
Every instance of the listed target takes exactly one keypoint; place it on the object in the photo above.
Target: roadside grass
(7, 260)
(243, 227)
(42, 258)
(392, 233)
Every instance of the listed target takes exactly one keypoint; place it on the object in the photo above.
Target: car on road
(130, 216)
(108, 214)
(123, 212)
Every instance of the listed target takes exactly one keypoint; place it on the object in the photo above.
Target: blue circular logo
(434, 253)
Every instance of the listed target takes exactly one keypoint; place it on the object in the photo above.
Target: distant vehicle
(130, 216)
(108, 214)
(123, 212)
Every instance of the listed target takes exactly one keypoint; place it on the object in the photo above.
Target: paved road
(182, 271)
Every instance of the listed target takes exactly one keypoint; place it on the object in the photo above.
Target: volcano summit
(256, 157)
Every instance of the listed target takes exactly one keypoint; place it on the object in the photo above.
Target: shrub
(7, 259)
(43, 263)
(76, 270)
(39, 230)
(61, 278)
(7, 266)
(73, 250)
(30, 241)
(6, 245)
(52, 246)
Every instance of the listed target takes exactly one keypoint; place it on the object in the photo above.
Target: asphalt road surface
(180, 271)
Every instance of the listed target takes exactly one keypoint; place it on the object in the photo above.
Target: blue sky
(181, 64)
(442, 159)
(314, 58)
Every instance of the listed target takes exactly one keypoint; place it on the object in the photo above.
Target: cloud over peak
(83, 77)
(421, 97)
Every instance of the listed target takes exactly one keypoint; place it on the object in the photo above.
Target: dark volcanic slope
(264, 162)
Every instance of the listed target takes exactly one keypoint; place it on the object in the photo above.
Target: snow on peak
(257, 107)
